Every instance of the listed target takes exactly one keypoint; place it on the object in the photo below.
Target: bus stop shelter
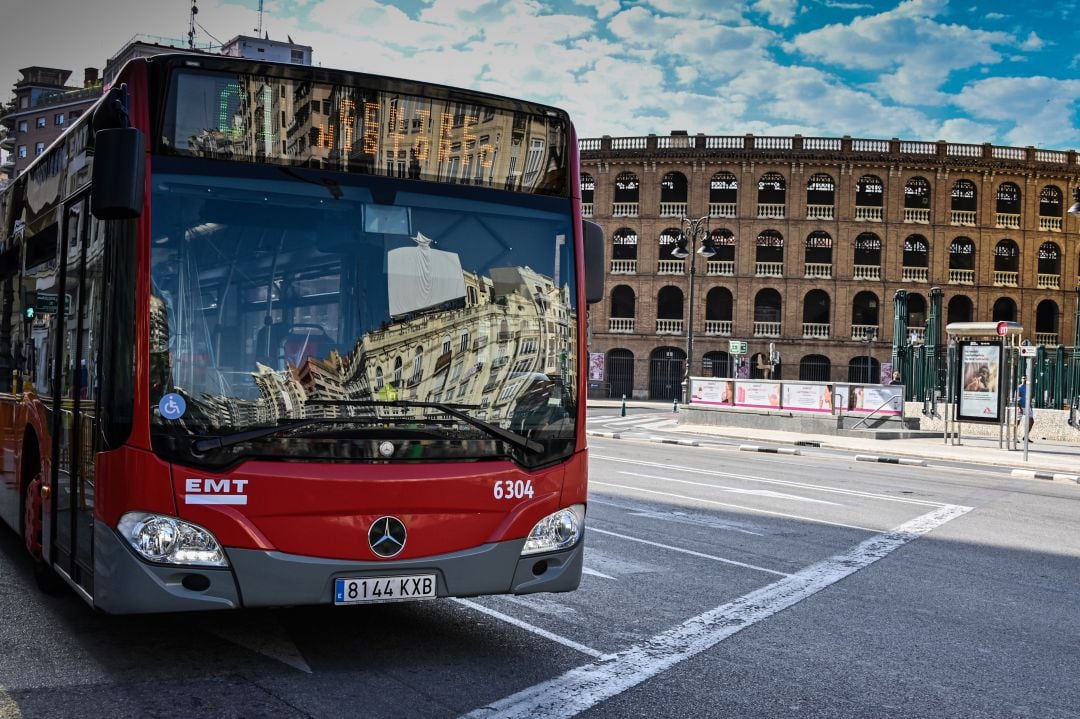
(981, 379)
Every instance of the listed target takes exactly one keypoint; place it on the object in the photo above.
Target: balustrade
(917, 335)
(624, 209)
(1049, 282)
(670, 267)
(915, 274)
(819, 212)
(1003, 278)
(721, 267)
(766, 329)
(769, 269)
(721, 328)
(815, 330)
(669, 327)
(1008, 219)
(621, 325)
(961, 277)
(821, 270)
(586, 209)
(624, 267)
(869, 214)
(861, 332)
(866, 272)
(722, 209)
(672, 209)
(770, 210)
(963, 217)
(1051, 224)
(919, 215)
(1046, 338)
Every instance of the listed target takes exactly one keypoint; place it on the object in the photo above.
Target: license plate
(384, 589)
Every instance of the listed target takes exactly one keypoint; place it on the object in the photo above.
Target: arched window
(815, 368)
(1008, 199)
(1049, 261)
(964, 196)
(1004, 310)
(1046, 322)
(867, 264)
(718, 305)
(673, 188)
(666, 370)
(1006, 256)
(624, 243)
(869, 191)
(1050, 201)
(864, 312)
(821, 190)
(397, 371)
(815, 314)
(378, 378)
(619, 373)
(959, 309)
(626, 187)
(819, 254)
(716, 364)
(770, 249)
(772, 189)
(669, 238)
(622, 302)
(417, 367)
(916, 310)
(588, 188)
(724, 189)
(962, 254)
(862, 369)
(916, 251)
(767, 310)
(723, 243)
(917, 193)
(669, 303)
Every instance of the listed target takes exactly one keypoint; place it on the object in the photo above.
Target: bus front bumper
(124, 584)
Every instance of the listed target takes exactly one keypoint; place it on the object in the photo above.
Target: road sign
(1002, 329)
(736, 347)
(1028, 350)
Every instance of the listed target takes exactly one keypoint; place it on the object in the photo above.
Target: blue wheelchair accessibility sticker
(172, 406)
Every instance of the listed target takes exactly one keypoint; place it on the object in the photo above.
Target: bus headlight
(168, 540)
(559, 530)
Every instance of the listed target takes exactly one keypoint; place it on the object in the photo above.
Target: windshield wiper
(208, 443)
(512, 438)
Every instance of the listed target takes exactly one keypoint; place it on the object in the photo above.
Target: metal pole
(1028, 397)
(690, 326)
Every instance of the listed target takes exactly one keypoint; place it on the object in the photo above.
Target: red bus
(282, 335)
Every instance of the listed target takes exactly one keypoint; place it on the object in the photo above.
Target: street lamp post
(687, 247)
(871, 335)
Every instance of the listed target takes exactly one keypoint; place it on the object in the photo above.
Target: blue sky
(1000, 72)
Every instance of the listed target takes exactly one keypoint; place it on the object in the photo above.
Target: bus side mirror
(118, 174)
(594, 262)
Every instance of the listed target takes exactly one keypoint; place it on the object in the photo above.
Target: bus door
(75, 381)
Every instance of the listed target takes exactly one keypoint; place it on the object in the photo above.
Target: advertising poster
(808, 397)
(979, 382)
(712, 391)
(879, 399)
(760, 395)
(596, 365)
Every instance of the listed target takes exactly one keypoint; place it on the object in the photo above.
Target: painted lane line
(637, 509)
(580, 689)
(532, 628)
(785, 515)
(768, 480)
(689, 551)
(735, 490)
(594, 573)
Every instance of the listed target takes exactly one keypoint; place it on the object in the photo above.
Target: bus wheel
(47, 580)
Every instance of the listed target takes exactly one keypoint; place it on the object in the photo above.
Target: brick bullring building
(805, 243)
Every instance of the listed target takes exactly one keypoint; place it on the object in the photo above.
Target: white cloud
(965, 131)
(1033, 42)
(1038, 110)
(779, 12)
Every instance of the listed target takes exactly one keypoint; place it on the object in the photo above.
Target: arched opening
(760, 367)
(669, 240)
(669, 303)
(723, 194)
(673, 188)
(1007, 204)
(767, 313)
(1004, 310)
(1049, 264)
(716, 364)
(666, 370)
(916, 252)
(769, 254)
(959, 309)
(718, 306)
(864, 315)
(864, 368)
(1006, 258)
(772, 195)
(917, 193)
(626, 187)
(962, 254)
(916, 311)
(820, 192)
(1046, 323)
(818, 257)
(964, 199)
(623, 302)
(588, 188)
(624, 250)
(722, 242)
(816, 313)
(869, 192)
(1050, 204)
(619, 373)
(815, 368)
(867, 260)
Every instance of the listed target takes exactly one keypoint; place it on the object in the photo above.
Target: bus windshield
(287, 294)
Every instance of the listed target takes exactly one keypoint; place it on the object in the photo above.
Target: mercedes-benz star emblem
(386, 449)
(387, 536)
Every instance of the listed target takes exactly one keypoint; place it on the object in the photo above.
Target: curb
(1052, 476)
(890, 460)
(607, 435)
(683, 442)
(770, 450)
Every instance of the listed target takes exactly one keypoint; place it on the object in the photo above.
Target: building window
(58, 119)
(21, 152)
(22, 126)
(39, 147)
(296, 56)
(73, 115)
(40, 122)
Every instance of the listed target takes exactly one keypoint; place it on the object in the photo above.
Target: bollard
(675, 404)
(622, 413)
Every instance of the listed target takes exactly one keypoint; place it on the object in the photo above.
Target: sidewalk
(1043, 456)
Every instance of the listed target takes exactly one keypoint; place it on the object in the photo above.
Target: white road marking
(9, 709)
(580, 689)
(594, 573)
(687, 551)
(595, 483)
(531, 628)
(702, 520)
(662, 424)
(755, 492)
(769, 480)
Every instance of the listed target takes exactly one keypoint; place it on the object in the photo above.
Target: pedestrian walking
(1024, 406)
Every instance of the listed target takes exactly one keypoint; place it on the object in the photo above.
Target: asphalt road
(719, 583)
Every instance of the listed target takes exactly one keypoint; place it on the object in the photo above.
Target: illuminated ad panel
(300, 122)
